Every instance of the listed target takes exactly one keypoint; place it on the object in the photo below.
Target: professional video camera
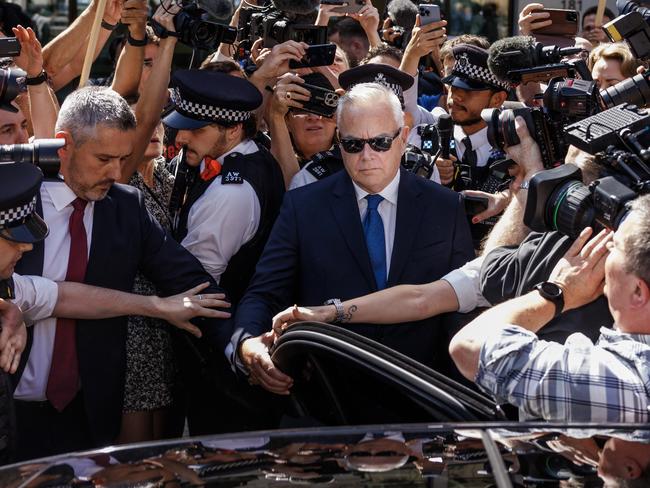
(193, 29)
(42, 152)
(275, 26)
(619, 138)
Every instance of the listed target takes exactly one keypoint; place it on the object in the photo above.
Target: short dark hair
(348, 28)
(592, 11)
(479, 41)
(249, 127)
(226, 66)
(383, 50)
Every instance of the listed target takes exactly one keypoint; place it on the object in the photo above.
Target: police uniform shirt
(480, 145)
(223, 219)
(36, 297)
(302, 178)
(57, 200)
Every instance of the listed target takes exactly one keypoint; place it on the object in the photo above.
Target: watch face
(551, 289)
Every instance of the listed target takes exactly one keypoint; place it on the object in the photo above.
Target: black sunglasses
(379, 144)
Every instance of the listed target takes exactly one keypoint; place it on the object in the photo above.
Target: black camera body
(619, 139)
(43, 153)
(276, 27)
(418, 161)
(194, 30)
(632, 28)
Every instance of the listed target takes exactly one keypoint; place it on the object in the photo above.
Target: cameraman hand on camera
(368, 17)
(42, 106)
(424, 41)
(165, 14)
(526, 154)
(254, 354)
(13, 336)
(446, 169)
(581, 272)
(497, 203)
(530, 21)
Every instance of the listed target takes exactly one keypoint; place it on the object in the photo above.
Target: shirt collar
(61, 195)
(478, 139)
(615, 335)
(245, 147)
(389, 192)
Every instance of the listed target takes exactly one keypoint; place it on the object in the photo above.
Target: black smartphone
(321, 101)
(475, 205)
(346, 6)
(316, 55)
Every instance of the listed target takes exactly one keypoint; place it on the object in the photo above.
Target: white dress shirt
(35, 296)
(480, 144)
(387, 210)
(57, 200)
(223, 219)
(467, 285)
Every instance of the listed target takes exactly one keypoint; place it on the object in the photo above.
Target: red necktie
(211, 169)
(63, 382)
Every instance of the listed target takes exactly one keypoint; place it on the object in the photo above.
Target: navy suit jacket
(125, 240)
(317, 251)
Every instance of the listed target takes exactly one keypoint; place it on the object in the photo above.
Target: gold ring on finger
(288, 95)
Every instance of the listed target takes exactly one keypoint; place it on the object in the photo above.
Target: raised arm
(43, 108)
(129, 66)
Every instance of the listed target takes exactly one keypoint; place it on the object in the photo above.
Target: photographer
(612, 63)
(297, 133)
(577, 381)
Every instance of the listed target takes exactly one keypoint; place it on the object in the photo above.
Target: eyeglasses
(379, 144)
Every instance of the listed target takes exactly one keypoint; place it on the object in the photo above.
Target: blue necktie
(373, 229)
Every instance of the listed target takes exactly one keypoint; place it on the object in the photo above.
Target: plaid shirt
(574, 382)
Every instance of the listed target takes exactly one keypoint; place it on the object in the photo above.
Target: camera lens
(570, 209)
(501, 126)
(634, 90)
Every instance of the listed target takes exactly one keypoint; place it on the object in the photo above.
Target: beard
(466, 122)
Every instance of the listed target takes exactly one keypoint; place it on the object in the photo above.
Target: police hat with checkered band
(386, 75)
(471, 70)
(208, 97)
(19, 187)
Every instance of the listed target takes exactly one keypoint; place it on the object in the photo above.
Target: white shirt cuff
(36, 297)
(466, 284)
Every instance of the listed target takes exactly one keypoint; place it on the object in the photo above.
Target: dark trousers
(43, 431)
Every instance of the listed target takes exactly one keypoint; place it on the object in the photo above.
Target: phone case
(428, 14)
(317, 55)
(564, 23)
(352, 7)
(322, 102)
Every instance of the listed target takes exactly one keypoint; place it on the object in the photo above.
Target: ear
(405, 134)
(641, 294)
(497, 99)
(633, 469)
(64, 152)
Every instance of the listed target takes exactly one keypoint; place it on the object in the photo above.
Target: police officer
(329, 162)
(472, 88)
(230, 208)
(20, 228)
(225, 220)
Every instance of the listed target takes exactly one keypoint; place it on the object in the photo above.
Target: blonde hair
(617, 51)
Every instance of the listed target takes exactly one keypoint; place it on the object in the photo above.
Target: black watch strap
(136, 42)
(36, 80)
(553, 293)
(107, 26)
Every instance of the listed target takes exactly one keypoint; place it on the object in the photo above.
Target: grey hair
(365, 95)
(637, 245)
(84, 109)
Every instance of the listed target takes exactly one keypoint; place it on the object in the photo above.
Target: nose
(115, 170)
(182, 137)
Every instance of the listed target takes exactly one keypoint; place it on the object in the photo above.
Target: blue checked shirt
(574, 382)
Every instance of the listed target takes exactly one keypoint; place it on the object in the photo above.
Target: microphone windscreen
(509, 54)
(445, 122)
(219, 9)
(300, 7)
(402, 13)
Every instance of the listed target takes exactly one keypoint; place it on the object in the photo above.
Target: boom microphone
(523, 52)
(299, 7)
(445, 131)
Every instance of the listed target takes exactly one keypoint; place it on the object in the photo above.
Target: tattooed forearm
(347, 316)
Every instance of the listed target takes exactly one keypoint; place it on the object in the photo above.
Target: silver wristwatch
(339, 309)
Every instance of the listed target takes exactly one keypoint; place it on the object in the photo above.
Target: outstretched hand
(31, 51)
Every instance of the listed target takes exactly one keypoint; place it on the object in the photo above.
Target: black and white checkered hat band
(477, 73)
(203, 111)
(13, 215)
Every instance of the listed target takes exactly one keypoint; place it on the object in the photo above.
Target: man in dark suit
(69, 386)
(361, 230)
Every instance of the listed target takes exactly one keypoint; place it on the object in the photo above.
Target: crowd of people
(198, 213)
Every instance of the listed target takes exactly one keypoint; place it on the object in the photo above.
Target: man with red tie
(232, 204)
(69, 385)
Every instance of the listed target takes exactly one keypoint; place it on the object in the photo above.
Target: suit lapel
(407, 221)
(346, 214)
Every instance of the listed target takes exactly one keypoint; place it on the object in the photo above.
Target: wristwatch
(552, 292)
(36, 80)
(339, 309)
(136, 42)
